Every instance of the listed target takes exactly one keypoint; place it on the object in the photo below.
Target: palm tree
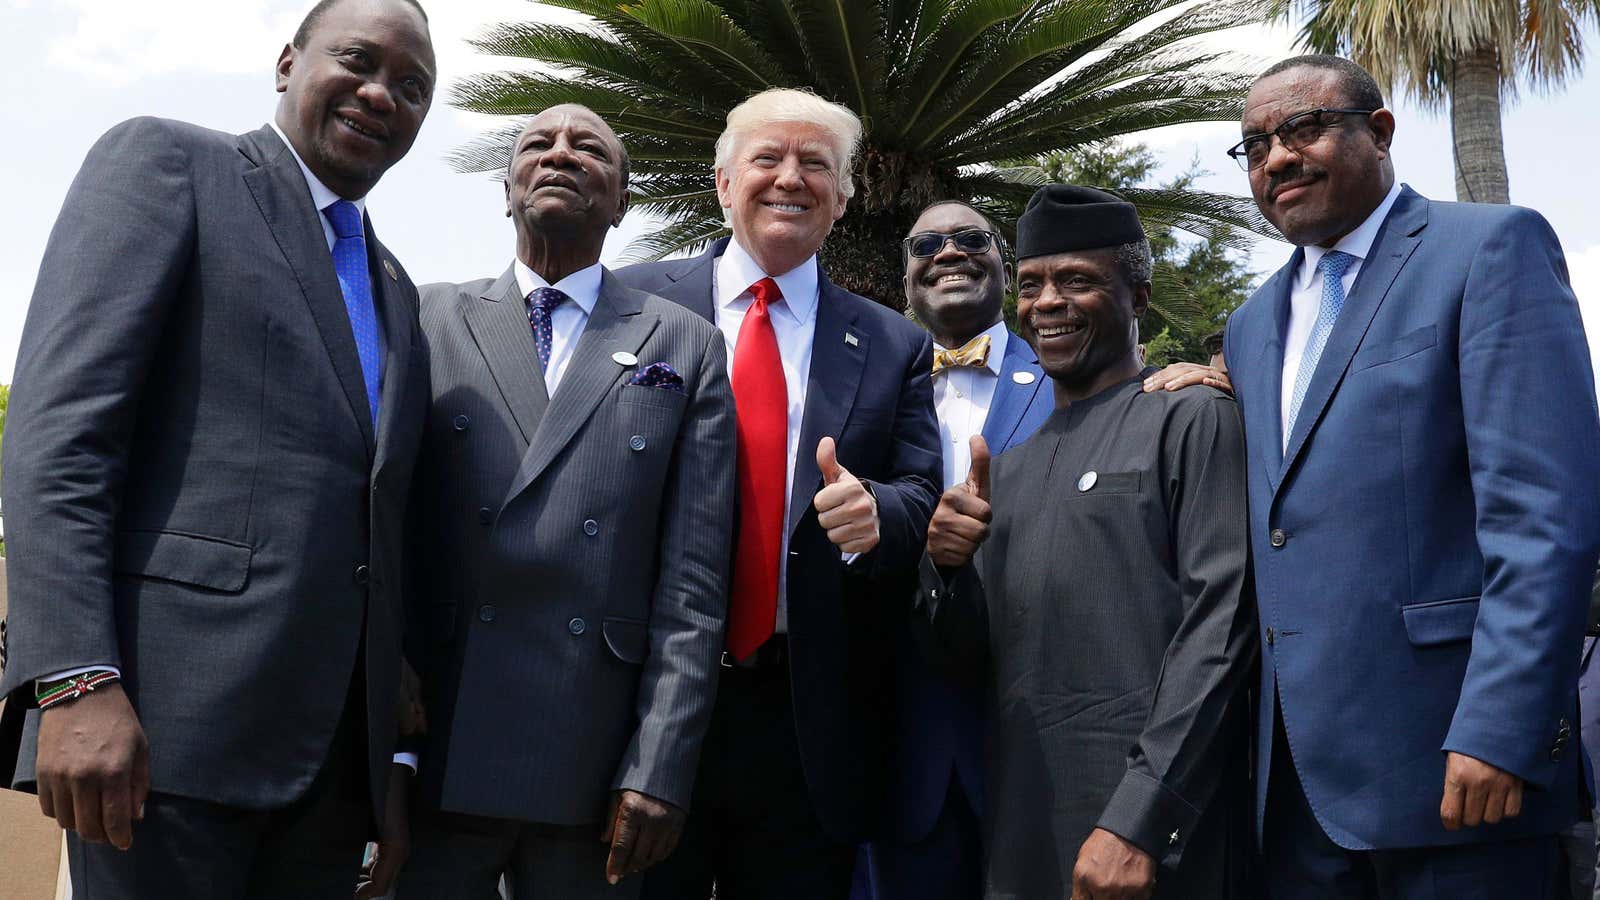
(1471, 53)
(948, 91)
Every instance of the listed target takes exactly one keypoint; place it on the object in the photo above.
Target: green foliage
(947, 89)
(1198, 282)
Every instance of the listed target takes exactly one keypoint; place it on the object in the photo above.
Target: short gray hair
(790, 105)
(1137, 262)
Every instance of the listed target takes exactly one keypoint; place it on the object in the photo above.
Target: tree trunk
(1475, 127)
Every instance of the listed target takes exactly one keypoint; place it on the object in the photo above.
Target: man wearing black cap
(1111, 612)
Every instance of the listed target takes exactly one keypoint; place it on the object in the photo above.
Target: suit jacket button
(576, 626)
(363, 575)
(485, 515)
(636, 442)
(591, 528)
(1278, 538)
(460, 423)
(1555, 754)
(486, 613)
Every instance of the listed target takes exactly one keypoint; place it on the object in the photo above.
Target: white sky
(74, 68)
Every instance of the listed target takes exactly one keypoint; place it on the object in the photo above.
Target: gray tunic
(1111, 614)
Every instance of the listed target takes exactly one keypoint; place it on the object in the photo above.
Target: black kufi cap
(1061, 218)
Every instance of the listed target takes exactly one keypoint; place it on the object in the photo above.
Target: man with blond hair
(838, 473)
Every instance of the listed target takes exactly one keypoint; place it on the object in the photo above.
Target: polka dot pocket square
(658, 375)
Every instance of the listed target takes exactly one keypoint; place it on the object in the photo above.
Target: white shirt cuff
(68, 673)
(407, 759)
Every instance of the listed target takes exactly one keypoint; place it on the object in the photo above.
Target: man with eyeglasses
(1424, 503)
(986, 381)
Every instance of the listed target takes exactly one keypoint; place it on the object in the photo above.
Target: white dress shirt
(1305, 299)
(568, 320)
(962, 396)
(322, 197)
(794, 324)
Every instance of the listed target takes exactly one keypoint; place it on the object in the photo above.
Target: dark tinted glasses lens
(923, 245)
(971, 241)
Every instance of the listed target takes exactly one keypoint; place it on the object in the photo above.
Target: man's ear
(1141, 299)
(285, 64)
(506, 183)
(1383, 124)
(724, 188)
(622, 208)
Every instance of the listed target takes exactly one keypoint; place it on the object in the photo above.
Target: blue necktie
(350, 263)
(541, 303)
(1332, 266)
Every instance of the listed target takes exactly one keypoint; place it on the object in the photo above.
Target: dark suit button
(1278, 538)
(486, 613)
(485, 515)
(636, 442)
(576, 626)
(460, 423)
(1269, 636)
(591, 528)
(1555, 754)
(363, 575)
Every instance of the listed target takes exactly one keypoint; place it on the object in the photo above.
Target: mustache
(1299, 173)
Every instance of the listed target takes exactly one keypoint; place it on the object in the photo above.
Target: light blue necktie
(355, 280)
(1332, 266)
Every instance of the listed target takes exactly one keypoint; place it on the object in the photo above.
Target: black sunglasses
(1297, 132)
(970, 241)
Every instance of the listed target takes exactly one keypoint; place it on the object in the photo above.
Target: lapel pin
(851, 339)
(1087, 481)
(624, 358)
(1022, 377)
(388, 266)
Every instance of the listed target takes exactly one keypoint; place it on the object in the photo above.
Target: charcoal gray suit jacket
(574, 553)
(194, 487)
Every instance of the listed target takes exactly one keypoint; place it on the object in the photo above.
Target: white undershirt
(962, 396)
(568, 320)
(1305, 299)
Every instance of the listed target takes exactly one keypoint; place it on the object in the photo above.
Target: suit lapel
(836, 365)
(617, 324)
(1396, 241)
(499, 324)
(396, 313)
(280, 192)
(1264, 367)
(691, 286)
(1011, 399)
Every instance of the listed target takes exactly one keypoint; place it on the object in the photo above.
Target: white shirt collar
(583, 286)
(998, 335)
(321, 195)
(737, 270)
(1357, 243)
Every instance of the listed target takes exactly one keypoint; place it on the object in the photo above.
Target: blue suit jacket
(869, 389)
(941, 719)
(1424, 549)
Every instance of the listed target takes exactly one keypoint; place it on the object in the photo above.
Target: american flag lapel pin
(851, 339)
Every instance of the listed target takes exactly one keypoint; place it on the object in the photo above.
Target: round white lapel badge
(1087, 481)
(1022, 377)
(624, 358)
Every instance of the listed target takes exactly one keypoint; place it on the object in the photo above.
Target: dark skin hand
(93, 766)
(1476, 793)
(1110, 868)
(412, 714)
(844, 508)
(642, 831)
(1183, 374)
(961, 521)
(394, 840)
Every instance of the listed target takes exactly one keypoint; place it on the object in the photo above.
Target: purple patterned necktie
(355, 281)
(541, 303)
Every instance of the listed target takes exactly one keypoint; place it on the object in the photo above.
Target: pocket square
(659, 375)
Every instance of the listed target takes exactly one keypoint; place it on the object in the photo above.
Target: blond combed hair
(776, 105)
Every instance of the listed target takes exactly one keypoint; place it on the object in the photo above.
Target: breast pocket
(1408, 345)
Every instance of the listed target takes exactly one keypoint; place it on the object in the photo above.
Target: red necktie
(761, 400)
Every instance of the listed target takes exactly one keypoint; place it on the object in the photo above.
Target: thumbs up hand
(846, 510)
(961, 522)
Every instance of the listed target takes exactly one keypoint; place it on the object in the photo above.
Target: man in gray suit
(217, 408)
(576, 494)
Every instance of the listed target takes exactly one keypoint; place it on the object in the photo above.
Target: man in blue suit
(986, 381)
(1425, 464)
(838, 470)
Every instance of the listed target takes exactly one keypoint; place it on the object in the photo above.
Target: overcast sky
(74, 68)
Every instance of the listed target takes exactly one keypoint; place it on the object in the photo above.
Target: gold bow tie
(975, 353)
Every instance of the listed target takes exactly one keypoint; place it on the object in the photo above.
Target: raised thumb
(978, 475)
(828, 461)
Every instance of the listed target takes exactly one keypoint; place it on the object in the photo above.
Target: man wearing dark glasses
(986, 381)
(1424, 504)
